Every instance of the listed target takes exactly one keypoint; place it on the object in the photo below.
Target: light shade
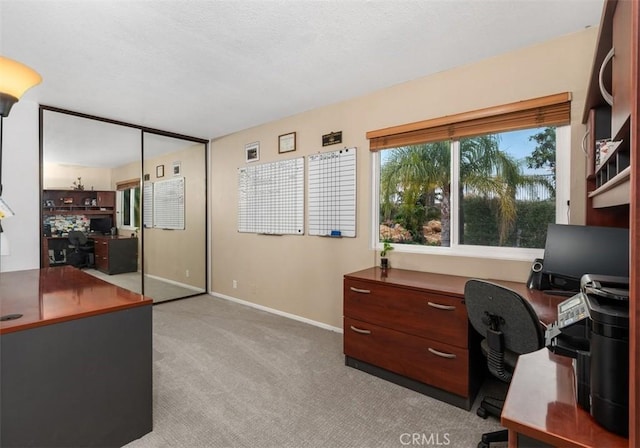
(15, 79)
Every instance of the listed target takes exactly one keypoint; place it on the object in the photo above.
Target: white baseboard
(173, 282)
(277, 312)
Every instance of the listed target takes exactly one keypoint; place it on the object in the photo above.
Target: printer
(593, 329)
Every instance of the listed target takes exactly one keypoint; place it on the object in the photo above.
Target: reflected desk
(76, 367)
(541, 406)
(112, 254)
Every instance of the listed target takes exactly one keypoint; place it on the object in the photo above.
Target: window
(475, 194)
(128, 204)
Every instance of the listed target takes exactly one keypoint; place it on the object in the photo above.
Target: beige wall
(171, 253)
(302, 275)
(61, 177)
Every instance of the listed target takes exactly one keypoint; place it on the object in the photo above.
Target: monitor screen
(572, 251)
(100, 225)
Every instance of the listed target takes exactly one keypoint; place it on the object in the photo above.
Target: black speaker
(538, 280)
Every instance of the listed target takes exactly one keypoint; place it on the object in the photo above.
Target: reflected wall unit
(78, 202)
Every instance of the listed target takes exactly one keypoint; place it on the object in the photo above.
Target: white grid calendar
(332, 193)
(271, 198)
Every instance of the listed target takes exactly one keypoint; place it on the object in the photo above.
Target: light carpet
(154, 288)
(227, 375)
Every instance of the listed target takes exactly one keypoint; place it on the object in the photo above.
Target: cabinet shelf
(616, 191)
(76, 211)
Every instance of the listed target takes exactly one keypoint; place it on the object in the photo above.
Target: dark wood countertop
(90, 236)
(545, 306)
(541, 404)
(51, 295)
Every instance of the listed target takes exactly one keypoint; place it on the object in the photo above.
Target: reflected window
(128, 205)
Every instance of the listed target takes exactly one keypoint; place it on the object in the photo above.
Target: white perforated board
(168, 204)
(147, 205)
(332, 193)
(271, 198)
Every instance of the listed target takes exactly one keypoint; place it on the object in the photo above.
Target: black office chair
(510, 327)
(80, 251)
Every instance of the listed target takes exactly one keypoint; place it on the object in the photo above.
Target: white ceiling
(210, 68)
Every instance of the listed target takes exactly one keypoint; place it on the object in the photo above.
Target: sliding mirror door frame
(141, 175)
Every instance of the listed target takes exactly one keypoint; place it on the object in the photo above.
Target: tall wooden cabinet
(613, 197)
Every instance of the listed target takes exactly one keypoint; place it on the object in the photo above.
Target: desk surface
(541, 404)
(52, 295)
(545, 306)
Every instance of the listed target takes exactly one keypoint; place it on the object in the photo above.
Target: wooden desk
(76, 368)
(541, 405)
(113, 254)
(412, 328)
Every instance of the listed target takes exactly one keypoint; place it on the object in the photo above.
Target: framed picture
(177, 168)
(287, 142)
(87, 201)
(252, 151)
(67, 200)
(160, 171)
(49, 203)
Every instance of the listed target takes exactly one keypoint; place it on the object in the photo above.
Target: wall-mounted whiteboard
(168, 204)
(332, 193)
(271, 198)
(147, 205)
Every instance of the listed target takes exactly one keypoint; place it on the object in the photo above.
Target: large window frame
(553, 110)
(133, 204)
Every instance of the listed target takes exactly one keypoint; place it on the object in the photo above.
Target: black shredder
(609, 341)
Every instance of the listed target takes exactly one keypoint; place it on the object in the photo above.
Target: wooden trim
(605, 42)
(126, 184)
(634, 229)
(548, 110)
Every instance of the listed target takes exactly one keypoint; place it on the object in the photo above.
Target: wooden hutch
(613, 197)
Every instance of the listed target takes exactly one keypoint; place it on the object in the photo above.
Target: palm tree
(413, 172)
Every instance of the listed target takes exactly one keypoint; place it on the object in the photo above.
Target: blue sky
(516, 143)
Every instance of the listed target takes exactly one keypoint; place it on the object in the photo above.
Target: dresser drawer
(419, 313)
(425, 360)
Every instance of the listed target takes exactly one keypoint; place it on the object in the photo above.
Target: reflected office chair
(80, 251)
(509, 327)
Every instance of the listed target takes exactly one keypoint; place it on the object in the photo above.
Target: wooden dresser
(406, 329)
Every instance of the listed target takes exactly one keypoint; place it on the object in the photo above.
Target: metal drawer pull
(363, 291)
(361, 331)
(441, 307)
(441, 354)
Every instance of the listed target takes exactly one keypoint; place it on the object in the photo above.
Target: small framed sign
(160, 171)
(332, 138)
(287, 142)
(177, 168)
(252, 151)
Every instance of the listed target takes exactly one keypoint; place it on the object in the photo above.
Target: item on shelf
(77, 185)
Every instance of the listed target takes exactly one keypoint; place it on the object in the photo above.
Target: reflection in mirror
(85, 164)
(174, 217)
(96, 198)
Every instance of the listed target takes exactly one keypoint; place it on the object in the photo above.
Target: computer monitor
(101, 225)
(572, 251)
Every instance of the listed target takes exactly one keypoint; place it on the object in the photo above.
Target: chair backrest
(519, 324)
(77, 238)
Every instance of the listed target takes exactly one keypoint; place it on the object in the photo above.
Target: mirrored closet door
(140, 226)
(175, 215)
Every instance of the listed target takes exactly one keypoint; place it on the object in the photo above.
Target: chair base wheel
(482, 412)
